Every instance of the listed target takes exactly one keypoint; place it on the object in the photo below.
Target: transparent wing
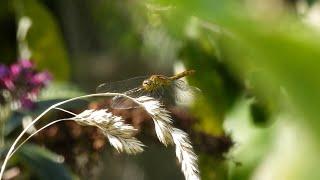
(121, 86)
(165, 94)
(130, 87)
(120, 102)
(183, 93)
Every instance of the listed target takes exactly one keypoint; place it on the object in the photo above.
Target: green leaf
(44, 38)
(13, 122)
(60, 91)
(277, 57)
(311, 1)
(43, 163)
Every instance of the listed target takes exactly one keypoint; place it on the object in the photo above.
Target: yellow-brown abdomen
(182, 74)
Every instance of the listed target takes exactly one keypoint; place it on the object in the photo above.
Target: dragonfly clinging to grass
(161, 87)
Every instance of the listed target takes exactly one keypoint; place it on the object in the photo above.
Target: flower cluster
(20, 84)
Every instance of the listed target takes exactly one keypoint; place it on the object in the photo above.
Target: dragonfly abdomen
(182, 74)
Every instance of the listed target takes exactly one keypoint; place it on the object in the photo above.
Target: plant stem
(47, 125)
(36, 132)
(9, 154)
(69, 112)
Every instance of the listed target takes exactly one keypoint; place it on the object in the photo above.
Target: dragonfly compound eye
(146, 82)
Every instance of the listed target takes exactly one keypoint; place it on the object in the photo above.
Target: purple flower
(8, 83)
(27, 103)
(41, 79)
(25, 63)
(4, 71)
(22, 81)
(15, 69)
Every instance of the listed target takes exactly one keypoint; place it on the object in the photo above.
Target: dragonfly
(167, 89)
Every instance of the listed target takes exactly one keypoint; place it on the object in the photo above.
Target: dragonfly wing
(157, 93)
(184, 93)
(165, 94)
(120, 102)
(121, 86)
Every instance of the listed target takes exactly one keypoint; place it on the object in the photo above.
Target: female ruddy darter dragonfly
(163, 88)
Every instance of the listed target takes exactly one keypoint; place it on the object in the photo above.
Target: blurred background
(257, 64)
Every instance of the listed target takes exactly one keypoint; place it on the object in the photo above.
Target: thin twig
(69, 112)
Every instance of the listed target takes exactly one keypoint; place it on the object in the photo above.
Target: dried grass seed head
(119, 134)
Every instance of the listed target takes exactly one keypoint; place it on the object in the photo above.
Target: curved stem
(53, 122)
(36, 132)
(46, 111)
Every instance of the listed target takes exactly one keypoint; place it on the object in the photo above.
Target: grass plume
(121, 135)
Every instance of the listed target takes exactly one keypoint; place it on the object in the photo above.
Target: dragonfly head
(147, 84)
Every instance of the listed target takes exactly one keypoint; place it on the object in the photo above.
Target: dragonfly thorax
(154, 82)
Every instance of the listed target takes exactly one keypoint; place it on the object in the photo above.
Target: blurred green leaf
(219, 88)
(13, 122)
(288, 60)
(207, 163)
(43, 163)
(278, 58)
(60, 91)
(40, 162)
(252, 142)
(311, 1)
(44, 38)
